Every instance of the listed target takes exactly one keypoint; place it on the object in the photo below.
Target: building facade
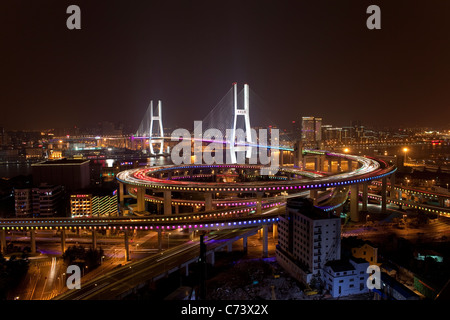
(343, 278)
(23, 202)
(101, 203)
(72, 174)
(307, 238)
(43, 201)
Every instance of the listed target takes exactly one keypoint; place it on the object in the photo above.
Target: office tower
(311, 130)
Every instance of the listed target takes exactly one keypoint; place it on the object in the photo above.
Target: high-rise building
(308, 237)
(43, 201)
(308, 130)
(296, 130)
(318, 129)
(311, 130)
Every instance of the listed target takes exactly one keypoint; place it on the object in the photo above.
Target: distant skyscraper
(318, 129)
(311, 130)
(296, 130)
(308, 129)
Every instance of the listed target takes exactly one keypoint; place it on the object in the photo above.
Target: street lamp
(405, 150)
(168, 240)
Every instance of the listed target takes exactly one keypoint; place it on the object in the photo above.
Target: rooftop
(399, 287)
(63, 161)
(306, 208)
(340, 265)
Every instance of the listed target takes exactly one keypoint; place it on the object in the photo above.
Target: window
(341, 281)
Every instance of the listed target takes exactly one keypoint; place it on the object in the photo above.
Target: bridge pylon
(245, 112)
(158, 118)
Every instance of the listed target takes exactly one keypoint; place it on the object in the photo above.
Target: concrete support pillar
(330, 165)
(127, 246)
(167, 202)
(159, 240)
(121, 193)
(211, 258)
(364, 196)
(316, 163)
(354, 214)
(383, 194)
(244, 243)
(208, 201)
(259, 196)
(140, 199)
(2, 241)
(304, 162)
(392, 188)
(265, 241)
(63, 241)
(298, 155)
(349, 165)
(33, 241)
(339, 166)
(313, 196)
(322, 163)
(94, 239)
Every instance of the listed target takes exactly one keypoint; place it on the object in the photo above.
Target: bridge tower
(158, 118)
(245, 112)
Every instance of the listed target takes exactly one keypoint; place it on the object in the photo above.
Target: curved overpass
(253, 211)
(370, 169)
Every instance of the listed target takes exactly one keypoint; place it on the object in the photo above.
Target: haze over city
(300, 57)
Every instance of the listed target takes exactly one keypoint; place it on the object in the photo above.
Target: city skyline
(301, 59)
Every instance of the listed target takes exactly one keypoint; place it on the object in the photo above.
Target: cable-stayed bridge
(228, 122)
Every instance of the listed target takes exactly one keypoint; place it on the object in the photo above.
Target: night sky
(302, 58)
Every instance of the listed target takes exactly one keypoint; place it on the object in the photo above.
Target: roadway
(125, 279)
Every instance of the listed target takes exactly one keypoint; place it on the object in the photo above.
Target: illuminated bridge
(223, 196)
